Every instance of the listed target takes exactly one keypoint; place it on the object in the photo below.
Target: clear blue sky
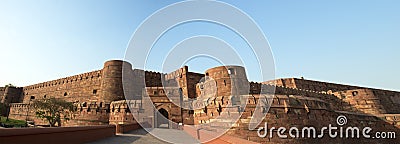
(352, 42)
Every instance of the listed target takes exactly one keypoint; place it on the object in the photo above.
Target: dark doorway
(162, 118)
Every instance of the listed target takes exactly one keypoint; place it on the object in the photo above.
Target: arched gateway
(162, 118)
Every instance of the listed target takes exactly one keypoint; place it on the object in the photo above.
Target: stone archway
(162, 118)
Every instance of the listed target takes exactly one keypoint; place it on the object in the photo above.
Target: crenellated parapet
(257, 88)
(214, 109)
(329, 97)
(89, 113)
(310, 84)
(20, 111)
(144, 78)
(153, 78)
(71, 79)
(183, 79)
(120, 111)
(82, 87)
(92, 107)
(86, 113)
(177, 73)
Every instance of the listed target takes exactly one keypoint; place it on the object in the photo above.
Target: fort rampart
(216, 95)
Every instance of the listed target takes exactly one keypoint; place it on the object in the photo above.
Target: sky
(351, 42)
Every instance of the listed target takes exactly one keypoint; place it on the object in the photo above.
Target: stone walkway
(141, 136)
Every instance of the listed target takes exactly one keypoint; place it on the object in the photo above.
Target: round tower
(229, 80)
(111, 83)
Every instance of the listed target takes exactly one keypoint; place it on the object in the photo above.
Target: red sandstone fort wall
(389, 100)
(161, 101)
(82, 88)
(362, 99)
(121, 114)
(229, 80)
(297, 102)
(369, 100)
(111, 83)
(311, 85)
(136, 82)
(286, 111)
(192, 80)
(183, 79)
(10, 94)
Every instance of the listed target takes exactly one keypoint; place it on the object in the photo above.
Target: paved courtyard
(141, 136)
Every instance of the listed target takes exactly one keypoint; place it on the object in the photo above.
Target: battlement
(18, 105)
(177, 73)
(153, 78)
(149, 75)
(353, 98)
(255, 88)
(121, 111)
(314, 85)
(153, 73)
(70, 79)
(357, 100)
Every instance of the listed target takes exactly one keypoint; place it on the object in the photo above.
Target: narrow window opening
(95, 91)
(191, 111)
(231, 71)
(354, 93)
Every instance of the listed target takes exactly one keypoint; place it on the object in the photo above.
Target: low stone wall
(123, 128)
(59, 135)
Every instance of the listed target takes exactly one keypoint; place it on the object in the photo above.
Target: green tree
(3, 109)
(9, 85)
(53, 110)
